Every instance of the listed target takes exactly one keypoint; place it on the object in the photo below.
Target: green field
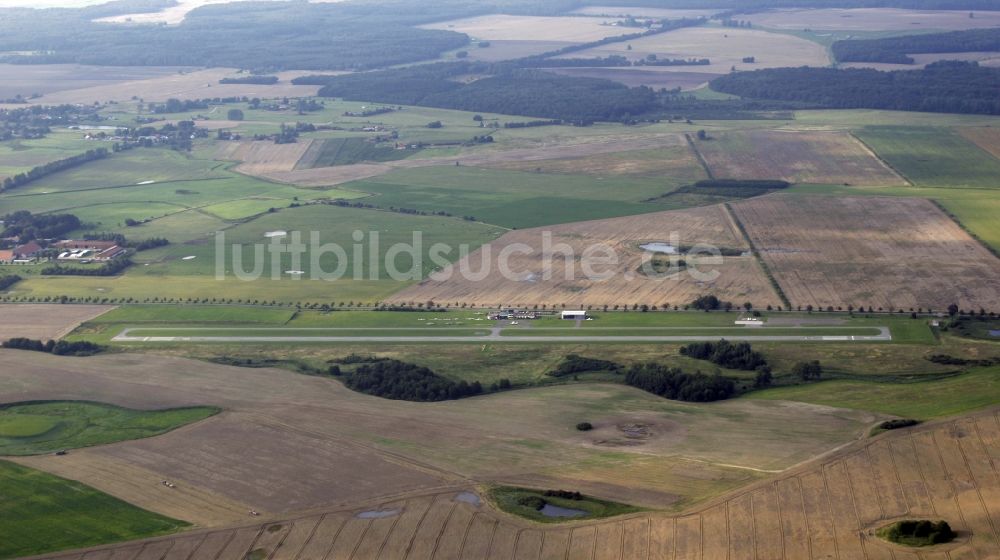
(43, 427)
(513, 500)
(332, 225)
(345, 151)
(933, 157)
(921, 400)
(42, 513)
(513, 198)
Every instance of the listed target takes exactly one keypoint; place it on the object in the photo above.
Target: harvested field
(796, 157)
(186, 85)
(737, 278)
(825, 509)
(724, 47)
(888, 253)
(873, 19)
(340, 174)
(28, 79)
(678, 162)
(364, 449)
(986, 138)
(531, 28)
(264, 157)
(648, 76)
(44, 322)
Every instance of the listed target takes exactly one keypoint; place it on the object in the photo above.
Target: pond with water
(550, 510)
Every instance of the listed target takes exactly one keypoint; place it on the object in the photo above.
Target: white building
(574, 315)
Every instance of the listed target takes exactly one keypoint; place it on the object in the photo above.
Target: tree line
(51, 167)
(897, 49)
(59, 348)
(8, 280)
(255, 79)
(941, 87)
(110, 268)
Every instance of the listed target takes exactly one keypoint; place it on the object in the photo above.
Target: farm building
(71, 250)
(574, 315)
(750, 322)
(22, 253)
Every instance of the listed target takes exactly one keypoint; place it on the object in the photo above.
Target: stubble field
(724, 47)
(737, 279)
(874, 19)
(890, 253)
(794, 156)
(531, 28)
(45, 322)
(826, 509)
(366, 449)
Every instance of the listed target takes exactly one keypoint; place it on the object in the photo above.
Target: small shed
(574, 315)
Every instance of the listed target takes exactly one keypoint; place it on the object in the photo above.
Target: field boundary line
(756, 253)
(697, 154)
(874, 154)
(951, 216)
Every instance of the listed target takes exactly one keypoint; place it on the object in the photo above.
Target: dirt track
(825, 509)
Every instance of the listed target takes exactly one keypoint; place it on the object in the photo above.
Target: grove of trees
(672, 383)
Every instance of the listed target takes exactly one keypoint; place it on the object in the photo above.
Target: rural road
(883, 336)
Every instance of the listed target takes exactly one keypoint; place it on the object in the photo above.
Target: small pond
(377, 513)
(555, 511)
(469, 498)
(659, 247)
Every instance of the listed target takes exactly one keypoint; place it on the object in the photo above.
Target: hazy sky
(49, 3)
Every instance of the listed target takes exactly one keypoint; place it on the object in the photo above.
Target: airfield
(210, 427)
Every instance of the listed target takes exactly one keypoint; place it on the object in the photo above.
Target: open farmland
(367, 449)
(531, 28)
(987, 138)
(196, 84)
(796, 157)
(827, 508)
(725, 47)
(263, 157)
(19, 156)
(29, 79)
(42, 513)
(888, 253)
(44, 322)
(527, 283)
(316, 170)
(873, 19)
(933, 157)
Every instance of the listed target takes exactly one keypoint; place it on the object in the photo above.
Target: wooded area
(942, 87)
